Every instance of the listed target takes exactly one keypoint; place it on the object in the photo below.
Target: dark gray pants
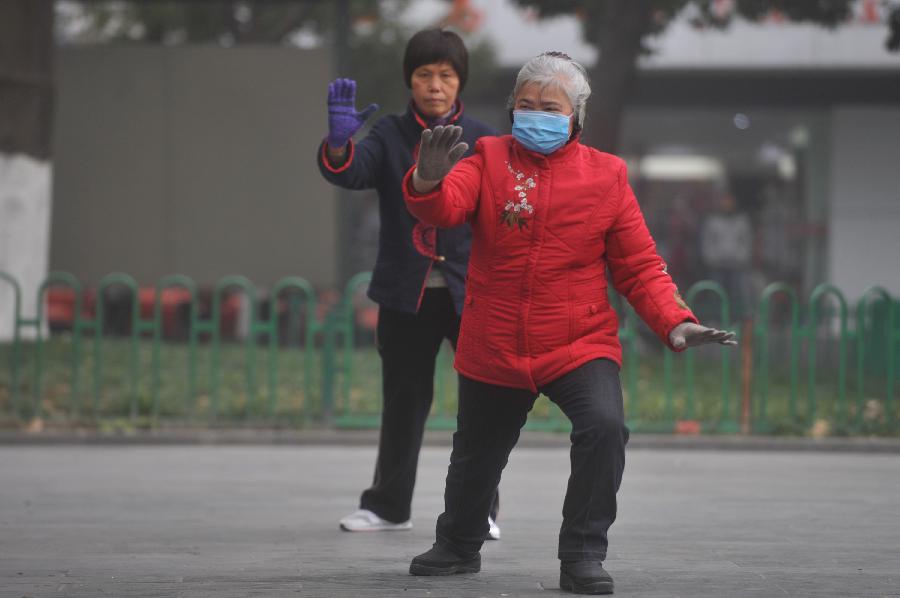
(408, 345)
(488, 425)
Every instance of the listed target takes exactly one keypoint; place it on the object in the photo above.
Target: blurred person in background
(418, 280)
(548, 216)
(726, 240)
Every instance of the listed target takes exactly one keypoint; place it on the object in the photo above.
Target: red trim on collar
(424, 125)
(418, 118)
(459, 111)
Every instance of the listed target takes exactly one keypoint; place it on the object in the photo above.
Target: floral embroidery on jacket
(517, 212)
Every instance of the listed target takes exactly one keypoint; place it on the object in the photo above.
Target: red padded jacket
(544, 230)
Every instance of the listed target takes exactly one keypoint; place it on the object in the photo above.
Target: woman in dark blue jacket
(419, 275)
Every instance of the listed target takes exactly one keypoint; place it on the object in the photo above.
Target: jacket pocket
(590, 311)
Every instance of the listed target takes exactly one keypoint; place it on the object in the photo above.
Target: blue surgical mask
(543, 132)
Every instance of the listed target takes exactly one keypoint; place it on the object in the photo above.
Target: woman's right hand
(439, 150)
(343, 119)
(688, 334)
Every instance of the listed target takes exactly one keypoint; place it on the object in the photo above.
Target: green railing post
(348, 327)
(198, 327)
(63, 279)
(301, 285)
(893, 340)
(117, 278)
(256, 328)
(628, 340)
(440, 397)
(762, 346)
(250, 343)
(818, 293)
(669, 388)
(878, 294)
(313, 326)
(329, 369)
(167, 282)
(725, 317)
(14, 355)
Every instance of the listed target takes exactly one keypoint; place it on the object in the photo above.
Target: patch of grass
(183, 387)
(129, 395)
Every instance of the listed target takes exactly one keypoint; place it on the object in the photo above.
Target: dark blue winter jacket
(407, 249)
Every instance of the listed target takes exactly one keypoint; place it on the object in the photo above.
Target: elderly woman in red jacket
(549, 215)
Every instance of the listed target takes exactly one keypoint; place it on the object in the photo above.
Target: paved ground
(237, 521)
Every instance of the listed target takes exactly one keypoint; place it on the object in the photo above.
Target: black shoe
(585, 577)
(442, 561)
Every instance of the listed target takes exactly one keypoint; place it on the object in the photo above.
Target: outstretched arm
(641, 276)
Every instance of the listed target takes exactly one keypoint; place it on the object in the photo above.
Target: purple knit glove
(343, 119)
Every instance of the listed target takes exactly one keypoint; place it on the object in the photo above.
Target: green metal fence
(869, 331)
(800, 365)
(142, 388)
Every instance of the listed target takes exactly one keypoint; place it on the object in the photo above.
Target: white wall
(24, 234)
(864, 220)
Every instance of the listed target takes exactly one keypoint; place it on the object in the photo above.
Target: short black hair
(431, 46)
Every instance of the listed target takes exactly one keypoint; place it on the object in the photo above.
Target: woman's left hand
(688, 334)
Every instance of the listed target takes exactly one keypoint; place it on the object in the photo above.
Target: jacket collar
(563, 153)
(411, 111)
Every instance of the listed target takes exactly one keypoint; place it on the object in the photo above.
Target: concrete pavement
(223, 521)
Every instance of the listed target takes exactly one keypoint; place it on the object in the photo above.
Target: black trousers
(408, 345)
(488, 425)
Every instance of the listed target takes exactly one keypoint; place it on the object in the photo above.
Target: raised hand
(439, 150)
(343, 119)
(688, 334)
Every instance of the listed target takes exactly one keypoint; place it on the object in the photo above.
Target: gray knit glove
(688, 334)
(439, 150)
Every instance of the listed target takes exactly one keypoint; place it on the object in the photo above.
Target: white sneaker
(493, 530)
(364, 520)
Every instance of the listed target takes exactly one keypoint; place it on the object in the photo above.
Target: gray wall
(865, 199)
(195, 160)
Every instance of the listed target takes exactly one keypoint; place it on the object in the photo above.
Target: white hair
(556, 68)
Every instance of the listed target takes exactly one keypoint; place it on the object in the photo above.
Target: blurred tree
(374, 33)
(619, 30)
(224, 22)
